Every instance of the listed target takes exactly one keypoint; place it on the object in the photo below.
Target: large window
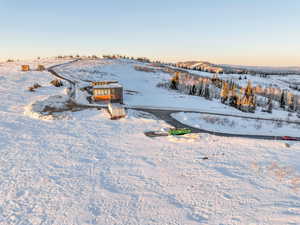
(105, 91)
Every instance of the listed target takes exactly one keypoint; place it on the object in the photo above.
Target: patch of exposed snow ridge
(43, 109)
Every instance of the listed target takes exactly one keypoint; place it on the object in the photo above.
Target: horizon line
(162, 59)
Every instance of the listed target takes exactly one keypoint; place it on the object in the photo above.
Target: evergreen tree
(253, 103)
(193, 90)
(233, 96)
(212, 91)
(202, 93)
(200, 86)
(291, 103)
(233, 101)
(249, 90)
(282, 100)
(224, 92)
(206, 92)
(270, 105)
(174, 81)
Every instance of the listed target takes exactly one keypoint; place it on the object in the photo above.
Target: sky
(240, 32)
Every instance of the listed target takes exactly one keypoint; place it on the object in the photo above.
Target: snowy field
(86, 169)
(140, 87)
(236, 125)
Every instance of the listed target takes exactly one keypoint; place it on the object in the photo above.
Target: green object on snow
(180, 131)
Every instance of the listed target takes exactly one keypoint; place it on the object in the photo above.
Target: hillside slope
(82, 168)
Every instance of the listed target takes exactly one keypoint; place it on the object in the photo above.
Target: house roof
(104, 82)
(113, 85)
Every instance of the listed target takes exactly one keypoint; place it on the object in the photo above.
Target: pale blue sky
(250, 32)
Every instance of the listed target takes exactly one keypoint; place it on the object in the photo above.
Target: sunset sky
(256, 32)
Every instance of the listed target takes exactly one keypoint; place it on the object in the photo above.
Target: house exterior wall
(108, 94)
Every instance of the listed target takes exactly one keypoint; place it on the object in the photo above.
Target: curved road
(72, 83)
(166, 116)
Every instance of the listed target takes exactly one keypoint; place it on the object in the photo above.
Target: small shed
(112, 92)
(41, 68)
(116, 111)
(25, 68)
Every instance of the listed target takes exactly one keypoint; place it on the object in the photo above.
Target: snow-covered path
(86, 169)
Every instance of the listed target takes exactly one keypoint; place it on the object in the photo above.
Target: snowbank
(236, 125)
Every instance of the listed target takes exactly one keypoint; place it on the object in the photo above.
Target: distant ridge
(228, 68)
(266, 68)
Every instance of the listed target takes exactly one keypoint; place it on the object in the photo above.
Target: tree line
(230, 93)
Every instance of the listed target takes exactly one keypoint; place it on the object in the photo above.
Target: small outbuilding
(25, 68)
(116, 111)
(41, 68)
(111, 92)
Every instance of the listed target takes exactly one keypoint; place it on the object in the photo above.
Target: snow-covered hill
(82, 168)
(279, 70)
(267, 69)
